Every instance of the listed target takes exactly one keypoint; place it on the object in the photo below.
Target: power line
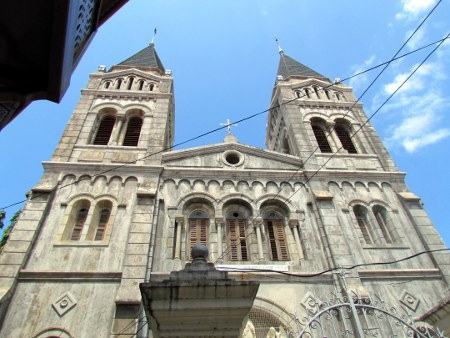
(350, 267)
(308, 179)
(220, 128)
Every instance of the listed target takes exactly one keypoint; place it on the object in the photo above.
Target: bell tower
(315, 119)
(124, 114)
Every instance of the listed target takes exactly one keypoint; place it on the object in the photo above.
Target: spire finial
(153, 38)
(278, 45)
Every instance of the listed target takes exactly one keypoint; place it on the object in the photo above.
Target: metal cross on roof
(229, 125)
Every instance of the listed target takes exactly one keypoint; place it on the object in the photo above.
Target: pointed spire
(290, 67)
(280, 50)
(145, 58)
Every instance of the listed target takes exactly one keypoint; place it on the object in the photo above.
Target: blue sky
(224, 60)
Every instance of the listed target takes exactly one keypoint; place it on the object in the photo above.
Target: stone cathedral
(321, 217)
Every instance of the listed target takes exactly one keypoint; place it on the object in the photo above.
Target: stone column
(257, 223)
(116, 131)
(336, 144)
(179, 222)
(219, 224)
(294, 225)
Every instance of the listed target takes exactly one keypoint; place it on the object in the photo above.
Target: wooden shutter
(133, 132)
(277, 240)
(321, 138)
(104, 130)
(79, 223)
(198, 232)
(237, 239)
(102, 222)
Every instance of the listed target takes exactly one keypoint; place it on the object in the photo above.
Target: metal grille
(263, 322)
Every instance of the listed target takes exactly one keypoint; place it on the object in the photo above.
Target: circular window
(233, 158)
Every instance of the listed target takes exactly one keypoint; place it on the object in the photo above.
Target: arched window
(104, 130)
(308, 93)
(107, 84)
(237, 241)
(140, 84)
(80, 216)
(338, 96)
(319, 130)
(342, 131)
(100, 220)
(298, 94)
(151, 87)
(381, 217)
(130, 83)
(327, 93)
(363, 222)
(133, 132)
(276, 237)
(198, 228)
(118, 83)
(316, 90)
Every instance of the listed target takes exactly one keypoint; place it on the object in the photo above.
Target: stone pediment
(231, 156)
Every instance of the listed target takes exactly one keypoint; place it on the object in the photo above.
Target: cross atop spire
(228, 125)
(280, 50)
(154, 36)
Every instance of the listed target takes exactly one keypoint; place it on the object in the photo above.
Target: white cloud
(361, 80)
(417, 81)
(417, 39)
(413, 144)
(412, 8)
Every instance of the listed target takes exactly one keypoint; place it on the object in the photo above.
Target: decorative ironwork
(347, 313)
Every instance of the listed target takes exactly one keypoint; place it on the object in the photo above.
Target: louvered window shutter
(237, 239)
(321, 138)
(198, 232)
(277, 240)
(104, 130)
(79, 223)
(345, 138)
(103, 221)
(133, 132)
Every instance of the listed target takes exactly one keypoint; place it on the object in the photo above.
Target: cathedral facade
(322, 211)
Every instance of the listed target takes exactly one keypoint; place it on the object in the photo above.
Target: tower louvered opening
(104, 130)
(321, 139)
(133, 132)
(344, 137)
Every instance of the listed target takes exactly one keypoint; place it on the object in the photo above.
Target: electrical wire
(218, 129)
(386, 64)
(350, 267)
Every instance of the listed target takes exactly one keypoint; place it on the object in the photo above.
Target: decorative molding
(409, 300)
(64, 304)
(60, 276)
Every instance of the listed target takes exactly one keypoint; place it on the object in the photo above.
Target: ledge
(68, 276)
(401, 274)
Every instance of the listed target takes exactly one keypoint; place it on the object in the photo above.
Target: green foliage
(9, 228)
(2, 217)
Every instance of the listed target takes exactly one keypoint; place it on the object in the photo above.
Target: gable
(230, 156)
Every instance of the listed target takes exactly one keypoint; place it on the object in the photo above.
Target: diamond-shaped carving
(409, 300)
(310, 303)
(64, 303)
